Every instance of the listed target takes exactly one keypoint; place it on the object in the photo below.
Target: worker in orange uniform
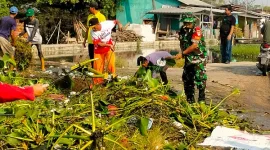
(103, 44)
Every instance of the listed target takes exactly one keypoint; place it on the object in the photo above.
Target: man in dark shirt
(7, 29)
(226, 32)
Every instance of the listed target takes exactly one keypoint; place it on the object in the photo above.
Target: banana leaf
(141, 72)
(5, 60)
(170, 62)
(150, 81)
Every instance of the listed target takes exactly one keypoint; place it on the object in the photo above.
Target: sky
(262, 2)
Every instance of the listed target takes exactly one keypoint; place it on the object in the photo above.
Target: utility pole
(245, 20)
(212, 22)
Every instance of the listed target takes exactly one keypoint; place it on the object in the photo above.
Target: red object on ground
(112, 109)
(9, 93)
(164, 97)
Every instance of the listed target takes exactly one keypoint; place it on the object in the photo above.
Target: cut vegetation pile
(134, 113)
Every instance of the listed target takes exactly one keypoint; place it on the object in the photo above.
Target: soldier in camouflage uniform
(193, 50)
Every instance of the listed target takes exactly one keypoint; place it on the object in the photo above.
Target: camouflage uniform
(194, 69)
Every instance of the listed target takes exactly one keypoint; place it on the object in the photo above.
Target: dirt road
(253, 100)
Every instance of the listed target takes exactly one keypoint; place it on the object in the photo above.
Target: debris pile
(125, 36)
(130, 113)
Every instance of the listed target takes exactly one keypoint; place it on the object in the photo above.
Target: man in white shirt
(103, 45)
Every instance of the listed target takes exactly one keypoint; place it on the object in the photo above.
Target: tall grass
(242, 51)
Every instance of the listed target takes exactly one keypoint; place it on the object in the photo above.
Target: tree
(249, 3)
(3, 8)
(49, 13)
(266, 9)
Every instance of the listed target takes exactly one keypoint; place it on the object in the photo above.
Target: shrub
(238, 32)
(23, 54)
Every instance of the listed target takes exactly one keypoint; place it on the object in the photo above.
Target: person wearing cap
(153, 62)
(7, 28)
(95, 13)
(31, 27)
(194, 52)
(103, 45)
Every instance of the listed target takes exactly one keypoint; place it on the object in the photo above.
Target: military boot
(190, 99)
(201, 95)
(42, 64)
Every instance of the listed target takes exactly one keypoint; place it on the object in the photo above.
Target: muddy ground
(252, 103)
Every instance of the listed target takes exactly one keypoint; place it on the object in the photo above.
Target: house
(135, 11)
(165, 15)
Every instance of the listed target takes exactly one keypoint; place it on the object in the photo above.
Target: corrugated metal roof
(195, 3)
(173, 10)
(184, 10)
(250, 16)
(257, 14)
(216, 10)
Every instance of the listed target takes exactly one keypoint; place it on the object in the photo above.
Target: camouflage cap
(188, 17)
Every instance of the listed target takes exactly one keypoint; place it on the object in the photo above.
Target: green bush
(23, 54)
(3, 8)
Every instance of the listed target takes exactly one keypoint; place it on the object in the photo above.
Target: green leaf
(13, 141)
(117, 125)
(204, 108)
(2, 64)
(223, 114)
(48, 128)
(7, 59)
(65, 141)
(150, 81)
(30, 82)
(177, 117)
(170, 62)
(143, 124)
(104, 110)
(103, 102)
(153, 83)
(182, 146)
(197, 117)
(168, 147)
(22, 111)
(172, 94)
(2, 111)
(141, 72)
(41, 147)
(3, 78)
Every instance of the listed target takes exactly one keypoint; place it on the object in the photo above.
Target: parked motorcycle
(264, 58)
